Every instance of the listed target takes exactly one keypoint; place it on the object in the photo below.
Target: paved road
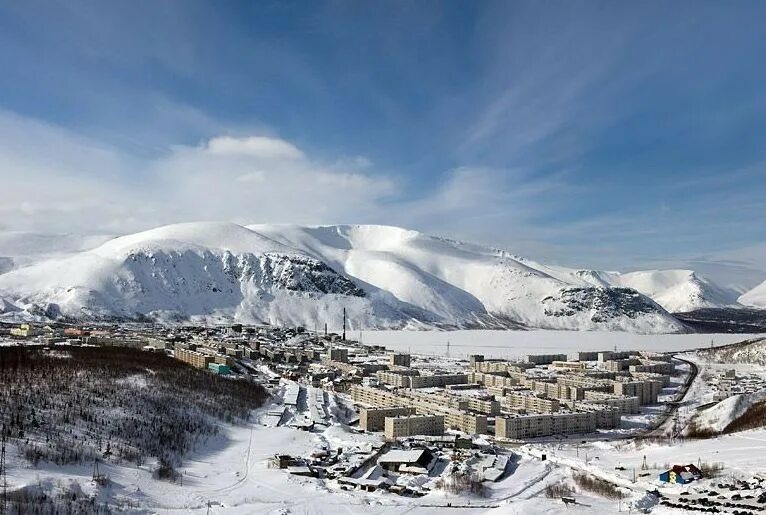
(659, 429)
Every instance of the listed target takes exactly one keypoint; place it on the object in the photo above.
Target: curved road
(659, 429)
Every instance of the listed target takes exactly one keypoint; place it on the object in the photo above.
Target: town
(414, 423)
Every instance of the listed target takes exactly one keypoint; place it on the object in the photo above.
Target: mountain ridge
(386, 277)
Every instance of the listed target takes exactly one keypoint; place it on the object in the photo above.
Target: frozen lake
(516, 344)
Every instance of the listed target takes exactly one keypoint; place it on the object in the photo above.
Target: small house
(681, 474)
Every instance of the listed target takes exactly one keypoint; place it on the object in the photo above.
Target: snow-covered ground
(233, 474)
(517, 344)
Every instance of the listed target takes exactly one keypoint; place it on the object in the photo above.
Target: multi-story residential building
(568, 365)
(397, 378)
(646, 391)
(373, 419)
(531, 426)
(411, 425)
(626, 405)
(527, 401)
(399, 360)
(193, 358)
(545, 359)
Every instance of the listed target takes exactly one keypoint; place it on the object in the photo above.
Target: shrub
(558, 490)
(598, 486)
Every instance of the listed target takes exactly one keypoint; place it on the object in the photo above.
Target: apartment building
(618, 365)
(411, 425)
(568, 365)
(559, 391)
(586, 382)
(193, 358)
(654, 367)
(437, 380)
(424, 404)
(626, 405)
(545, 359)
(531, 426)
(588, 355)
(373, 419)
(487, 406)
(397, 378)
(608, 355)
(375, 396)
(646, 391)
(527, 401)
(399, 360)
(491, 379)
(605, 417)
(466, 422)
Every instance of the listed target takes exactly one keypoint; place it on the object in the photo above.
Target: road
(660, 430)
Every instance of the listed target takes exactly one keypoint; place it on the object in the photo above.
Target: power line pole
(3, 476)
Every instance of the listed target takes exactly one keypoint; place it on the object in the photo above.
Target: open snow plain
(517, 344)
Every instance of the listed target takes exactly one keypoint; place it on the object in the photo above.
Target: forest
(71, 404)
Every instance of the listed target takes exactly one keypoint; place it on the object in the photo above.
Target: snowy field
(233, 475)
(517, 344)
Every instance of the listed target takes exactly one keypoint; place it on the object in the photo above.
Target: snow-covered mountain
(755, 297)
(386, 277)
(677, 291)
(18, 249)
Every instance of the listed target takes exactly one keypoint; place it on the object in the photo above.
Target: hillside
(386, 277)
(755, 297)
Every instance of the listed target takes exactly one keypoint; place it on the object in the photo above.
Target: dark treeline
(76, 404)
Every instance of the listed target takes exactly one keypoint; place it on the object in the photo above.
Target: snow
(234, 475)
(755, 297)
(517, 344)
(385, 277)
(717, 417)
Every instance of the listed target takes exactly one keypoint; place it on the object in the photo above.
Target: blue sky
(604, 134)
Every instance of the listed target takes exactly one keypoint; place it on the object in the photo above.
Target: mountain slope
(755, 297)
(488, 281)
(386, 277)
(678, 291)
(18, 249)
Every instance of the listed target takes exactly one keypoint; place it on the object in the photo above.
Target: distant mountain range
(386, 277)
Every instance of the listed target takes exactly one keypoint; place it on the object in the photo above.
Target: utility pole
(3, 476)
(344, 324)
(448, 348)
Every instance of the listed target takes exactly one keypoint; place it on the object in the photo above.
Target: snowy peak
(207, 235)
(756, 297)
(386, 277)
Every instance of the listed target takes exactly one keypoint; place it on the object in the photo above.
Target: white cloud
(57, 181)
(52, 180)
(262, 147)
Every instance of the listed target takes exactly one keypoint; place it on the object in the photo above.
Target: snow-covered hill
(755, 297)
(18, 249)
(677, 291)
(386, 277)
